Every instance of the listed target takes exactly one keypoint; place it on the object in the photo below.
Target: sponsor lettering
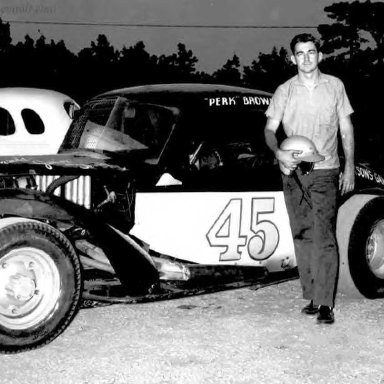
(255, 100)
(364, 173)
(368, 174)
(378, 178)
(225, 101)
(219, 101)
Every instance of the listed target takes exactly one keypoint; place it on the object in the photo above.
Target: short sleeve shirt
(313, 113)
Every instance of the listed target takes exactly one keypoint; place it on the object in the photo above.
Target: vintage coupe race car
(33, 121)
(156, 188)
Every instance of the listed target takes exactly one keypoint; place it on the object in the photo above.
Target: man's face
(306, 57)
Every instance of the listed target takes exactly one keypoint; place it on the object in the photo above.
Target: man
(314, 105)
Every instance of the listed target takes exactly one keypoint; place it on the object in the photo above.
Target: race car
(157, 188)
(33, 121)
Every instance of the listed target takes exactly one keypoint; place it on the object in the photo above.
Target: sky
(212, 46)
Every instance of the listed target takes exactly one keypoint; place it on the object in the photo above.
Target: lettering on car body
(256, 100)
(368, 174)
(218, 101)
(260, 236)
(238, 101)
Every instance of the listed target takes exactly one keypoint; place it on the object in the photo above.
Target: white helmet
(301, 143)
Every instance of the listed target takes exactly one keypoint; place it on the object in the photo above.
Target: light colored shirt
(313, 113)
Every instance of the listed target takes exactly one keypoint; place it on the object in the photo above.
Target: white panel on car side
(239, 228)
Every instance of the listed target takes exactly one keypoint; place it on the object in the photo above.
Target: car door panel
(238, 228)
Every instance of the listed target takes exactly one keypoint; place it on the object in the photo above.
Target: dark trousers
(311, 202)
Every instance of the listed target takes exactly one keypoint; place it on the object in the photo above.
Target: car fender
(133, 266)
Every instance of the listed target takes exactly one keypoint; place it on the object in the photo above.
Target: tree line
(352, 41)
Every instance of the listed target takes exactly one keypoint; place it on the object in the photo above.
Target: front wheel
(366, 250)
(40, 285)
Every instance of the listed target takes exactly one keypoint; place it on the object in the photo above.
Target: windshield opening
(119, 125)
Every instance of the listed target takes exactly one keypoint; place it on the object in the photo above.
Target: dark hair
(304, 38)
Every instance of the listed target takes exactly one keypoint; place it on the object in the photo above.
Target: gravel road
(242, 336)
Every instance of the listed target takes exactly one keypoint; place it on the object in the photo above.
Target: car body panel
(238, 228)
(53, 110)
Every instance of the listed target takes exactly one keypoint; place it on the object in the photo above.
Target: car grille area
(112, 198)
(77, 190)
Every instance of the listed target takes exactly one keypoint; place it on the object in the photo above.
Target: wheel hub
(375, 250)
(29, 287)
(20, 288)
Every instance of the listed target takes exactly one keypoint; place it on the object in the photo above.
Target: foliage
(269, 70)
(355, 44)
(229, 73)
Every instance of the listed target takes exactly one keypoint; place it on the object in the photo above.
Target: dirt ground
(242, 336)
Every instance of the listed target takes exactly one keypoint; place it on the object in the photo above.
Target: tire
(40, 285)
(366, 250)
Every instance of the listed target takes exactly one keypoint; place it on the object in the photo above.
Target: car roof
(25, 94)
(180, 93)
(185, 88)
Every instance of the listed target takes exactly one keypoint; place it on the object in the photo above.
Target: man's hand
(288, 158)
(347, 180)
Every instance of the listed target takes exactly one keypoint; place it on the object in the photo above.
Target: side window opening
(7, 125)
(233, 154)
(239, 136)
(145, 124)
(32, 122)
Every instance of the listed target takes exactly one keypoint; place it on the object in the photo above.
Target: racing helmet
(308, 150)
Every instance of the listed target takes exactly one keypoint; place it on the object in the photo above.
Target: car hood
(79, 160)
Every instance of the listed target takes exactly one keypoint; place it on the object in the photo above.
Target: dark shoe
(310, 309)
(325, 315)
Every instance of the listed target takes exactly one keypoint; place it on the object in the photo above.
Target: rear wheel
(366, 249)
(40, 285)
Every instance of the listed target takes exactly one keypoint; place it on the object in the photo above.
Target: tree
(136, 65)
(185, 60)
(100, 52)
(357, 23)
(179, 66)
(269, 70)
(229, 73)
(97, 69)
(342, 36)
(5, 36)
(5, 47)
(355, 42)
(21, 62)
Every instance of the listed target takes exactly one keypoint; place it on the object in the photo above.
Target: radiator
(77, 191)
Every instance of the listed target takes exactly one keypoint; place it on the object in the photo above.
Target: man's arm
(347, 178)
(286, 157)
(270, 134)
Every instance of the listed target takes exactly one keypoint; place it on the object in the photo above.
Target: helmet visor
(310, 157)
